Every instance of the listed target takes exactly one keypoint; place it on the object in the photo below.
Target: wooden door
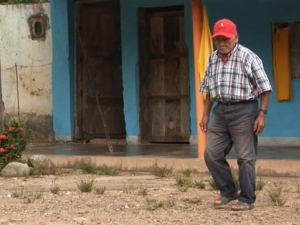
(99, 71)
(164, 75)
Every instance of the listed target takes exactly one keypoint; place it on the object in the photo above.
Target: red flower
(9, 129)
(3, 136)
(20, 129)
(11, 146)
(2, 150)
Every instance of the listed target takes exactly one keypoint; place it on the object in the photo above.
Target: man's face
(226, 45)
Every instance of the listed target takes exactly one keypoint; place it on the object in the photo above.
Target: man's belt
(236, 103)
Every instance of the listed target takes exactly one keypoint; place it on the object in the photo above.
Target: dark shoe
(225, 200)
(242, 206)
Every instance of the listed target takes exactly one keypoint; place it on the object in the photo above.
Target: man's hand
(259, 123)
(203, 124)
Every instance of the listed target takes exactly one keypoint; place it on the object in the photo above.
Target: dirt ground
(20, 202)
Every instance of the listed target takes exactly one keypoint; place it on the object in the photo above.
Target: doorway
(164, 89)
(99, 88)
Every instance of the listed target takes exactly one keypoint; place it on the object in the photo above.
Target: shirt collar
(230, 53)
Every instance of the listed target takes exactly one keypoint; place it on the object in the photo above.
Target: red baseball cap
(224, 27)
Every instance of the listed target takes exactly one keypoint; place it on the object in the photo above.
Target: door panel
(165, 78)
(99, 74)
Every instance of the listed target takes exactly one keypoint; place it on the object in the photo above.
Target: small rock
(42, 164)
(16, 169)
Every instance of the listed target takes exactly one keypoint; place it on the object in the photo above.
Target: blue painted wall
(62, 68)
(253, 19)
(130, 57)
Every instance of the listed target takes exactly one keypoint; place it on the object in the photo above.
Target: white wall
(33, 57)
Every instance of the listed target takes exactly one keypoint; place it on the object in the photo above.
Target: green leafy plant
(13, 141)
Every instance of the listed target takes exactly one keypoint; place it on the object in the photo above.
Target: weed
(298, 187)
(36, 170)
(192, 201)
(90, 168)
(35, 195)
(199, 184)
(184, 184)
(153, 204)
(161, 171)
(259, 184)
(170, 203)
(213, 184)
(85, 185)
(298, 209)
(128, 189)
(100, 190)
(107, 170)
(235, 180)
(275, 197)
(18, 193)
(54, 189)
(187, 172)
(143, 191)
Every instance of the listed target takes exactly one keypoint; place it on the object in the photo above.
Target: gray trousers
(233, 125)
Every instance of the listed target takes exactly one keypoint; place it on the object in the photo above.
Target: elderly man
(234, 79)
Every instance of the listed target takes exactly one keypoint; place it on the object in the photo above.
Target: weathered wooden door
(99, 70)
(164, 76)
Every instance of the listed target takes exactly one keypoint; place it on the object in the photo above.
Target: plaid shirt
(241, 77)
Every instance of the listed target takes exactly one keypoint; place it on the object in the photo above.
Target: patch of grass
(235, 180)
(161, 171)
(199, 184)
(90, 168)
(298, 187)
(54, 189)
(196, 201)
(128, 189)
(153, 204)
(35, 195)
(184, 184)
(259, 184)
(107, 170)
(213, 184)
(143, 191)
(187, 172)
(276, 198)
(18, 193)
(36, 170)
(100, 190)
(297, 209)
(85, 185)
(170, 203)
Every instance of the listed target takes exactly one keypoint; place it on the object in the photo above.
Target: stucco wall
(254, 19)
(34, 68)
